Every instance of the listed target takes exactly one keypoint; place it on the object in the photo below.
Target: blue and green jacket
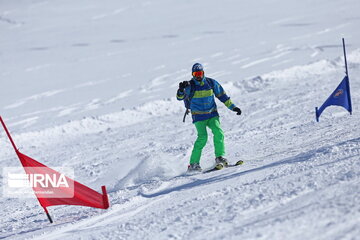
(202, 104)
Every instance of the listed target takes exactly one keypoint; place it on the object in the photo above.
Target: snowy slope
(109, 112)
(65, 60)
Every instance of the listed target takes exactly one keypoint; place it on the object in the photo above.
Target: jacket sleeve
(221, 95)
(180, 95)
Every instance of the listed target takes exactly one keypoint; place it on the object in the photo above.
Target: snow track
(286, 189)
(77, 93)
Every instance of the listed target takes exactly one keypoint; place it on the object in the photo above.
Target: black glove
(183, 85)
(237, 110)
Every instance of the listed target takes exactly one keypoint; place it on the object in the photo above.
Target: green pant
(202, 136)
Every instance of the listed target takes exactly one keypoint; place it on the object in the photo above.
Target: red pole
(105, 197)
(7, 132)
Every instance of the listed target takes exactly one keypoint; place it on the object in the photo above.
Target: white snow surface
(91, 85)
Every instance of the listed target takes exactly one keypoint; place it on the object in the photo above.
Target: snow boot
(221, 160)
(194, 167)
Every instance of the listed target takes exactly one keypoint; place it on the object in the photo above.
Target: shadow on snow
(303, 157)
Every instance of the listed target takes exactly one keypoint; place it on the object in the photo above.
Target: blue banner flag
(340, 97)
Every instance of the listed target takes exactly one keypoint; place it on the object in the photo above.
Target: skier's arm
(182, 91)
(221, 95)
(180, 95)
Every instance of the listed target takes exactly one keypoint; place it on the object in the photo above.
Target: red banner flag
(82, 195)
(54, 188)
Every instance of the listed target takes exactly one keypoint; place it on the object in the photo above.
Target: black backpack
(188, 98)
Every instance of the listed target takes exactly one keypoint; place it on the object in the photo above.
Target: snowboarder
(199, 93)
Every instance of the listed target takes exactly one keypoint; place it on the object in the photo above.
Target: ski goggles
(198, 74)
